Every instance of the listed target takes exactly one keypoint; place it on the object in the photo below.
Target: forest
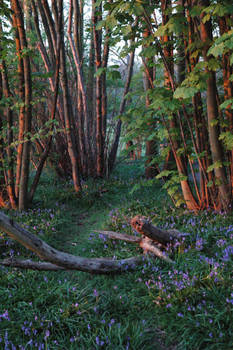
(116, 174)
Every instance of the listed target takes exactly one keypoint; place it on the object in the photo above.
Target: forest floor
(158, 306)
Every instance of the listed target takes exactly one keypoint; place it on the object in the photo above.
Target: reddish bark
(212, 113)
(174, 123)
(46, 150)
(24, 175)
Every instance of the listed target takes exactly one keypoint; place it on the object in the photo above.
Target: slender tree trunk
(180, 48)
(69, 123)
(173, 123)
(24, 176)
(114, 146)
(90, 98)
(9, 115)
(2, 180)
(21, 94)
(97, 34)
(46, 150)
(207, 197)
(212, 113)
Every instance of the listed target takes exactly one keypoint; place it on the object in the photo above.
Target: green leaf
(126, 29)
(114, 75)
(215, 165)
(206, 18)
(231, 59)
(216, 50)
(98, 3)
(195, 11)
(185, 92)
(227, 138)
(99, 72)
(214, 122)
(213, 64)
(100, 25)
(161, 31)
(164, 173)
(227, 104)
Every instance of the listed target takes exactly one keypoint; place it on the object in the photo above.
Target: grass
(184, 306)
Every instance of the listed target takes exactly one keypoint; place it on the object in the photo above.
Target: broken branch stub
(143, 226)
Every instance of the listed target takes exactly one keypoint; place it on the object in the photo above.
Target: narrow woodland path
(86, 215)
(75, 309)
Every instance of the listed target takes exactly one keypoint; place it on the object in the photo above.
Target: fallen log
(29, 264)
(143, 226)
(59, 258)
(147, 246)
(120, 236)
(145, 243)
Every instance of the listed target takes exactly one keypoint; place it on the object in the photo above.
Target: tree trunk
(212, 113)
(62, 259)
(46, 150)
(114, 146)
(69, 122)
(10, 166)
(24, 174)
(100, 141)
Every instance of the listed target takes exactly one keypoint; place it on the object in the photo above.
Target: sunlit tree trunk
(9, 141)
(24, 175)
(173, 124)
(212, 113)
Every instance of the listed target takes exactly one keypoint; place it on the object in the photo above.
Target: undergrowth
(187, 305)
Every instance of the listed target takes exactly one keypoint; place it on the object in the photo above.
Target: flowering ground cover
(187, 305)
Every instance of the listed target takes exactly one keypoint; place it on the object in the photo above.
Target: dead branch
(121, 236)
(147, 246)
(59, 258)
(143, 226)
(29, 264)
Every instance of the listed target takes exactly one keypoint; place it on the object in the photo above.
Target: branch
(65, 260)
(121, 236)
(32, 265)
(142, 225)
(148, 247)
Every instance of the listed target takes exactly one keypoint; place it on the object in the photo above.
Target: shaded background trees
(56, 78)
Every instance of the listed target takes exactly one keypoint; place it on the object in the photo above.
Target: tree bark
(142, 225)
(69, 122)
(24, 176)
(212, 113)
(114, 146)
(53, 112)
(9, 117)
(100, 141)
(65, 260)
